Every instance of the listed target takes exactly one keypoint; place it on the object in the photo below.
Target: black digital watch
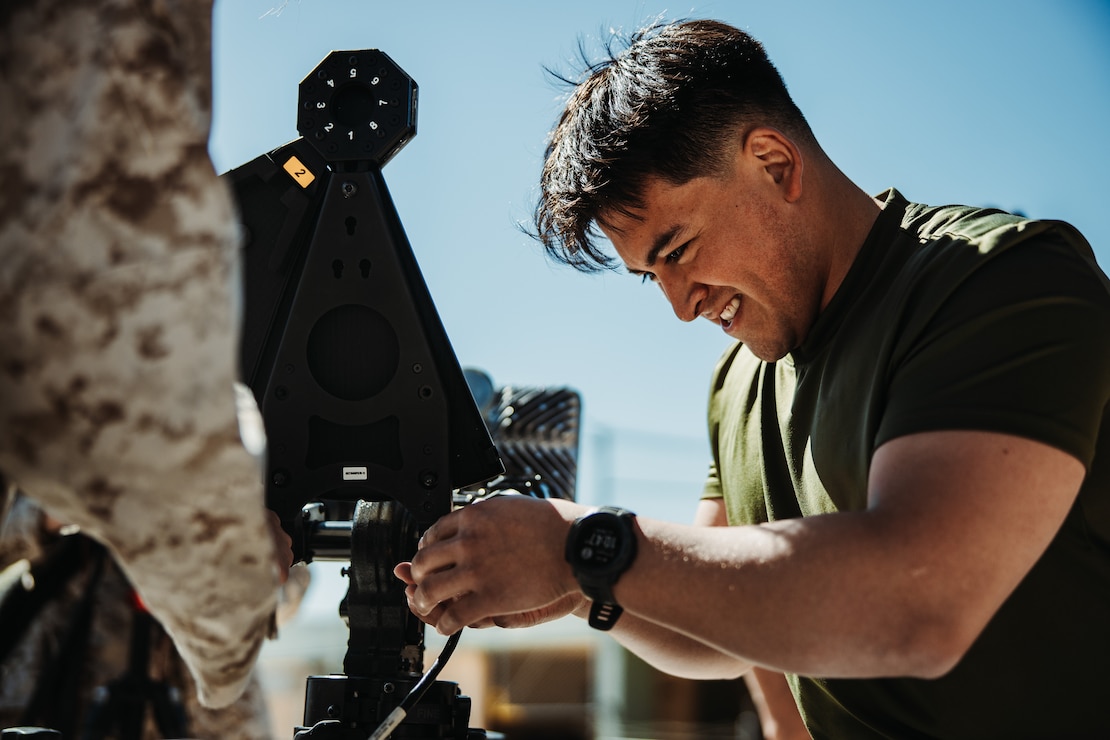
(601, 545)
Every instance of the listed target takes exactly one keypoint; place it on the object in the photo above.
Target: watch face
(602, 546)
(599, 544)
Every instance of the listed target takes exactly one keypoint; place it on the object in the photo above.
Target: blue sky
(990, 102)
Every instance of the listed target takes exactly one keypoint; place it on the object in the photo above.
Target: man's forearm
(673, 652)
(867, 593)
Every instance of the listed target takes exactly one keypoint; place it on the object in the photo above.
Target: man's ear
(779, 157)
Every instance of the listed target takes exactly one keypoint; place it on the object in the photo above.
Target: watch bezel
(616, 521)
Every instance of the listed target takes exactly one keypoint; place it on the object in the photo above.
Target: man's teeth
(729, 311)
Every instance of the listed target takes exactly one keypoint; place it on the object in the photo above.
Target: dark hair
(672, 103)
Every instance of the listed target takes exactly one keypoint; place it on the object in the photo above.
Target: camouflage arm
(117, 330)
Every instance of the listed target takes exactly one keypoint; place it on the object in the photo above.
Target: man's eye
(676, 255)
(646, 276)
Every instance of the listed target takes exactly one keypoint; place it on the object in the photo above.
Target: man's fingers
(426, 607)
(443, 528)
(472, 608)
(443, 586)
(403, 571)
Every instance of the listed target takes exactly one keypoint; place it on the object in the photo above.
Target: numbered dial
(358, 105)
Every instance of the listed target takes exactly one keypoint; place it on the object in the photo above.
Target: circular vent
(353, 352)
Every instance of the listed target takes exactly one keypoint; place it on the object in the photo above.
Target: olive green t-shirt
(950, 318)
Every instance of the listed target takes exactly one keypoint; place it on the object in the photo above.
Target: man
(118, 339)
(909, 435)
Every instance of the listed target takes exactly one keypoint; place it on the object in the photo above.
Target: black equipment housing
(359, 388)
(370, 424)
(373, 430)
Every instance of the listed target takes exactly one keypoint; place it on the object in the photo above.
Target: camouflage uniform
(118, 338)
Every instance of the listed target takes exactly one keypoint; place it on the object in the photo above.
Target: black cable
(391, 722)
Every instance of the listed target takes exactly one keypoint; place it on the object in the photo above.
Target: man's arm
(669, 651)
(118, 340)
(955, 520)
(674, 652)
(778, 711)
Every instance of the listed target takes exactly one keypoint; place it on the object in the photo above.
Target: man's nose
(683, 296)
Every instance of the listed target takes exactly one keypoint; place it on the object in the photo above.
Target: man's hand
(564, 606)
(498, 562)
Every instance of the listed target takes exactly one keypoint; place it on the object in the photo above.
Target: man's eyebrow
(660, 244)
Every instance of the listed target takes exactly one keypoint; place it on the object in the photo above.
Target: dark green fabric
(950, 318)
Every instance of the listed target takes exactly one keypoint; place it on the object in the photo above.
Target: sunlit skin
(743, 249)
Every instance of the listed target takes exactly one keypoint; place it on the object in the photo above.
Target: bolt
(348, 189)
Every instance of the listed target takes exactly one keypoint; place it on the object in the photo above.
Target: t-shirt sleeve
(712, 488)
(1021, 346)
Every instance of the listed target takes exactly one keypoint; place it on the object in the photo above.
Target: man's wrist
(600, 547)
(582, 611)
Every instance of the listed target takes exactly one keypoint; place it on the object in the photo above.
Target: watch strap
(604, 609)
(604, 614)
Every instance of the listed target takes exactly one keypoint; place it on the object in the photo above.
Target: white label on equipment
(354, 473)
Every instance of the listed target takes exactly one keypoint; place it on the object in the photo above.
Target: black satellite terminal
(372, 430)
(369, 422)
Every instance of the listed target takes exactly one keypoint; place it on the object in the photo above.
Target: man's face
(728, 249)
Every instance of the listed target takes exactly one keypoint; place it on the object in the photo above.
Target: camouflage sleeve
(118, 338)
